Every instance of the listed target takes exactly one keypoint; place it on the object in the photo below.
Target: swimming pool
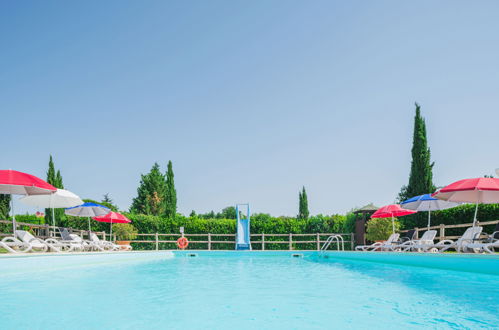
(246, 290)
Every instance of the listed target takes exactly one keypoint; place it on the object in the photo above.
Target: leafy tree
(4, 206)
(421, 175)
(170, 193)
(54, 178)
(151, 193)
(379, 229)
(193, 214)
(125, 231)
(303, 212)
(228, 213)
(209, 215)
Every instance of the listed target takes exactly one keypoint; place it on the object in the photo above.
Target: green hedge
(260, 223)
(26, 218)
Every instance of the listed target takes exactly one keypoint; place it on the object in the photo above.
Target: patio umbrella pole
(111, 238)
(476, 211)
(53, 219)
(13, 214)
(89, 228)
(429, 217)
(393, 225)
(53, 213)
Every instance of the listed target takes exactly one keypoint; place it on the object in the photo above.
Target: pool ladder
(334, 238)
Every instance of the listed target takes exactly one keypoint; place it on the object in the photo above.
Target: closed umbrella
(391, 211)
(60, 199)
(427, 203)
(477, 190)
(88, 210)
(113, 217)
(19, 183)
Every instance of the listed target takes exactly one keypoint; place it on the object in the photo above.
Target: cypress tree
(58, 180)
(171, 193)
(55, 179)
(51, 174)
(50, 179)
(150, 193)
(421, 174)
(4, 206)
(303, 212)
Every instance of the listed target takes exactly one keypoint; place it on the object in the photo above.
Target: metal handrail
(330, 240)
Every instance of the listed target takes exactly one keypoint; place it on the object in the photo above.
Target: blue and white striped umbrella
(427, 203)
(88, 210)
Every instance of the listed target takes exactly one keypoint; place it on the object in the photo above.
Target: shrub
(349, 224)
(379, 229)
(124, 231)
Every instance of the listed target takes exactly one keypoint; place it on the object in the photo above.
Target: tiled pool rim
(474, 263)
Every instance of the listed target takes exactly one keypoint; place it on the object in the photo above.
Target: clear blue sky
(249, 99)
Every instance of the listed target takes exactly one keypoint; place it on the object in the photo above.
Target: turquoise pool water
(241, 290)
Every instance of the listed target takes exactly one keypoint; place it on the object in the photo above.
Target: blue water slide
(243, 229)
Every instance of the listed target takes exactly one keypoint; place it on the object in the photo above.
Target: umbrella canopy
(391, 211)
(427, 203)
(19, 183)
(60, 199)
(478, 191)
(113, 217)
(87, 210)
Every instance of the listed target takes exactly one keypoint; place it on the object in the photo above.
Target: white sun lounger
(462, 244)
(13, 245)
(379, 245)
(489, 244)
(106, 245)
(422, 244)
(484, 247)
(36, 244)
(73, 241)
(86, 245)
(489, 247)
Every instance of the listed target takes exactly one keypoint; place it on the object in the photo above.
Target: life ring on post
(182, 242)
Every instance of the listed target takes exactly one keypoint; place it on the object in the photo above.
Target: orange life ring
(182, 242)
